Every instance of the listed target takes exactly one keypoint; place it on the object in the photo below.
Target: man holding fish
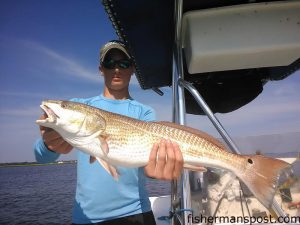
(101, 199)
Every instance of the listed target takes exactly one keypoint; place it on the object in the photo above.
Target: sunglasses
(122, 63)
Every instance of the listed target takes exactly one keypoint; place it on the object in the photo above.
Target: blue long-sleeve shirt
(98, 196)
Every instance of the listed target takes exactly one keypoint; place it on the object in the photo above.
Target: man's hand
(165, 161)
(54, 141)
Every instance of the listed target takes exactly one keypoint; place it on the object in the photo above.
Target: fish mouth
(50, 115)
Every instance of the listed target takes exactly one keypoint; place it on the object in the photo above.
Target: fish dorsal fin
(194, 131)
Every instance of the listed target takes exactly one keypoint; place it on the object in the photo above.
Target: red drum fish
(116, 140)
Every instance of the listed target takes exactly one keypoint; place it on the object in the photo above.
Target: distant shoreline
(19, 164)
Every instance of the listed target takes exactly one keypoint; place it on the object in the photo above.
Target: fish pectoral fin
(109, 168)
(103, 135)
(104, 145)
(194, 168)
(92, 159)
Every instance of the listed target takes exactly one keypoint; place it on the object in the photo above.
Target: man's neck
(118, 95)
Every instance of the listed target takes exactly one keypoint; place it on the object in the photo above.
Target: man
(99, 198)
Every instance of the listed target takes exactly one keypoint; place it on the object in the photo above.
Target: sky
(49, 50)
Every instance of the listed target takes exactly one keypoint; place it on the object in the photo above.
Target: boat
(217, 56)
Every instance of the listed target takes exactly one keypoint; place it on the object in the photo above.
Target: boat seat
(242, 36)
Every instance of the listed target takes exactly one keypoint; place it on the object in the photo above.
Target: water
(44, 194)
(37, 194)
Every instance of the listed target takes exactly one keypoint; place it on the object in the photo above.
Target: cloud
(289, 89)
(263, 111)
(62, 63)
(283, 89)
(41, 59)
(267, 118)
(66, 65)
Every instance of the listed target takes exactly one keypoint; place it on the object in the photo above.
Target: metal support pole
(276, 207)
(210, 114)
(174, 186)
(179, 63)
(179, 113)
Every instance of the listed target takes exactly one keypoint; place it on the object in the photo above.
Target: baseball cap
(114, 44)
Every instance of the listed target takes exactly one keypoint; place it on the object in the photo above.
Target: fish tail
(261, 176)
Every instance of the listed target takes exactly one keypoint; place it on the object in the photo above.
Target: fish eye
(250, 161)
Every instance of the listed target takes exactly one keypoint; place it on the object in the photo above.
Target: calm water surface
(44, 194)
